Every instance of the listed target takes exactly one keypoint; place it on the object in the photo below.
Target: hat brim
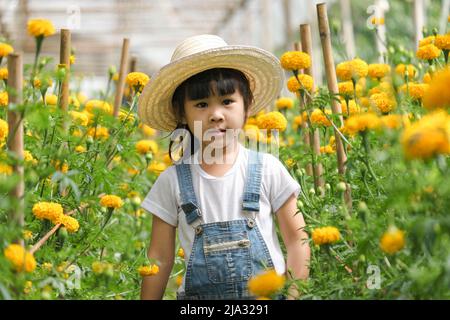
(261, 68)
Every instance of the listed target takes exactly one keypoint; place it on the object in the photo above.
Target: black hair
(199, 87)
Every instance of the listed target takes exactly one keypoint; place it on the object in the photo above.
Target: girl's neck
(222, 160)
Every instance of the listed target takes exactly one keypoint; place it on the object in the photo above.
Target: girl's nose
(216, 116)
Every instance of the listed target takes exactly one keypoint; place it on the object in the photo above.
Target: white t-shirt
(220, 199)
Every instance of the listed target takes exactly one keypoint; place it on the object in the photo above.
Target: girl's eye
(227, 101)
(201, 105)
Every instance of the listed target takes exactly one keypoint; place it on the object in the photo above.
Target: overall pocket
(228, 256)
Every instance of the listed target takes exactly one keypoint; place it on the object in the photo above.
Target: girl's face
(216, 118)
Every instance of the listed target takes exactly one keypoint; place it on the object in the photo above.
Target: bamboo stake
(305, 36)
(133, 63)
(324, 30)
(122, 74)
(64, 59)
(15, 134)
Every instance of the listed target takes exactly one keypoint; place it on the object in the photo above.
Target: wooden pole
(122, 75)
(305, 36)
(133, 64)
(64, 59)
(15, 135)
(325, 38)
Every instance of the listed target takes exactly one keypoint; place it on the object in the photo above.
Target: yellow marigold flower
(304, 82)
(272, 121)
(100, 105)
(327, 149)
(28, 157)
(378, 70)
(344, 71)
(111, 201)
(80, 149)
(40, 27)
(79, 118)
(156, 167)
(71, 224)
(427, 137)
(290, 163)
(179, 280)
(98, 267)
(3, 130)
(401, 69)
(57, 164)
(81, 97)
(251, 121)
(297, 122)
(428, 52)
(146, 146)
(345, 88)
(295, 60)
(5, 49)
(359, 68)
(48, 210)
(426, 78)
(354, 108)
(443, 41)
(4, 99)
(132, 171)
(392, 240)
(74, 101)
(27, 234)
(325, 235)
(148, 270)
(125, 114)
(383, 102)
(72, 59)
(266, 283)
(438, 94)
(318, 117)
(98, 132)
(20, 258)
(284, 103)
(137, 80)
(3, 74)
(77, 133)
(416, 90)
(180, 253)
(394, 121)
(384, 86)
(361, 122)
(115, 77)
(5, 169)
(426, 41)
(51, 99)
(147, 131)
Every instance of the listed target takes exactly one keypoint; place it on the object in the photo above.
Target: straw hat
(200, 53)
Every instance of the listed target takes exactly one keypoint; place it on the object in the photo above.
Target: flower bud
(300, 204)
(341, 186)
(112, 70)
(136, 201)
(362, 207)
(89, 141)
(312, 191)
(327, 186)
(149, 156)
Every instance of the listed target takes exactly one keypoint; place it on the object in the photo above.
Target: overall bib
(225, 255)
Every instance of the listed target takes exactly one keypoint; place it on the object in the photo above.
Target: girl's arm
(162, 249)
(294, 237)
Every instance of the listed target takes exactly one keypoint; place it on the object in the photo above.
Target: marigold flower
(325, 235)
(72, 59)
(361, 122)
(428, 137)
(416, 90)
(5, 169)
(438, 95)
(327, 149)
(27, 234)
(48, 210)
(266, 283)
(71, 224)
(98, 132)
(392, 240)
(272, 121)
(51, 99)
(156, 167)
(344, 71)
(40, 27)
(443, 41)
(426, 78)
(179, 280)
(47, 266)
(148, 270)
(319, 118)
(137, 80)
(100, 105)
(377, 21)
(3, 130)
(180, 253)
(394, 121)
(304, 82)
(252, 132)
(146, 146)
(355, 69)
(147, 131)
(354, 108)
(426, 41)
(111, 201)
(80, 149)
(28, 157)
(79, 118)
(284, 103)
(20, 258)
(428, 52)
(383, 102)
(401, 69)
(295, 60)
(3, 74)
(378, 70)
(5, 49)
(4, 99)
(298, 120)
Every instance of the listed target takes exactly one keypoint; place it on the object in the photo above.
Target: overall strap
(189, 201)
(250, 201)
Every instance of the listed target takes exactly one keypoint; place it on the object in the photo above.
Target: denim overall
(225, 255)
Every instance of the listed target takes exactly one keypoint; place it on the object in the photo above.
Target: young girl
(221, 196)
